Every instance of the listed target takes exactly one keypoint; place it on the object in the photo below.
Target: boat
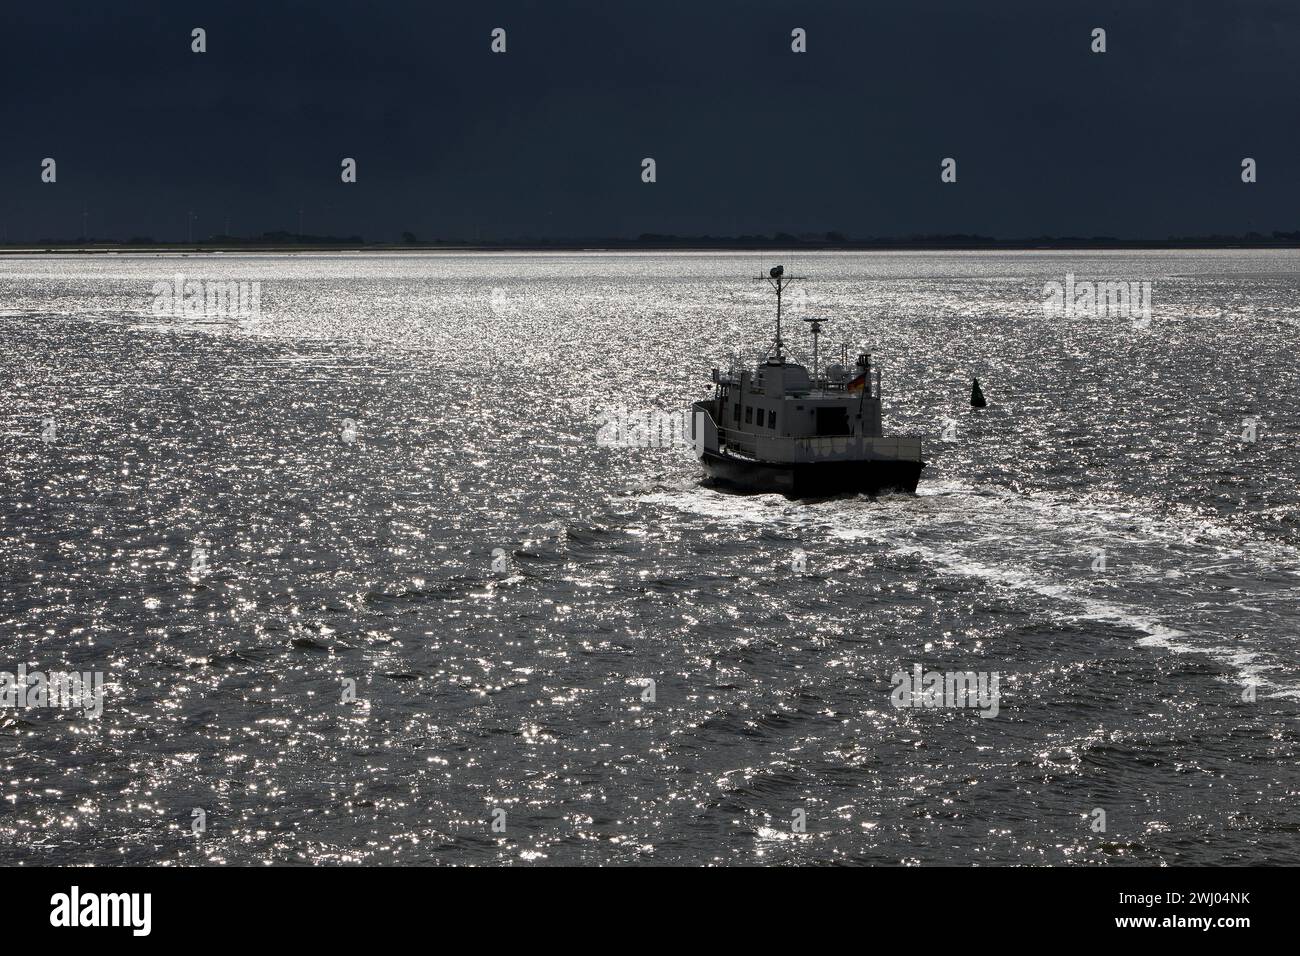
(778, 428)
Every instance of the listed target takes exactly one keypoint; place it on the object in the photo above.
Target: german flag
(858, 384)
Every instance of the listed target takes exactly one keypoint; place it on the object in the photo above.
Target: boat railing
(820, 447)
(874, 447)
(740, 441)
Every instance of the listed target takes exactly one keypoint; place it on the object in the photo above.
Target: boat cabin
(779, 398)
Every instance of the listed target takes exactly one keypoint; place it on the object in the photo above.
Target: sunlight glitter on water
(350, 677)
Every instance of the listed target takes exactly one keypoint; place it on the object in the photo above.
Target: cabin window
(737, 415)
(749, 414)
(771, 418)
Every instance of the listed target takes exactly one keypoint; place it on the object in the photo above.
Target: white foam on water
(1040, 544)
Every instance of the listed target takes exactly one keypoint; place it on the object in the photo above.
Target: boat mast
(778, 280)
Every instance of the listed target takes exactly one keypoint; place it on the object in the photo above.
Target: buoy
(976, 396)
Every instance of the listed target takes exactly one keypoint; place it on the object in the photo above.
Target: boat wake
(1183, 583)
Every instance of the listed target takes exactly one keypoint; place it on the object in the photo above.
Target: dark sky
(547, 140)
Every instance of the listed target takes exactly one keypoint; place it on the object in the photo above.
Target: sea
(399, 558)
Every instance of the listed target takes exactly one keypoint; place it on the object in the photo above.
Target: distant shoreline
(781, 244)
